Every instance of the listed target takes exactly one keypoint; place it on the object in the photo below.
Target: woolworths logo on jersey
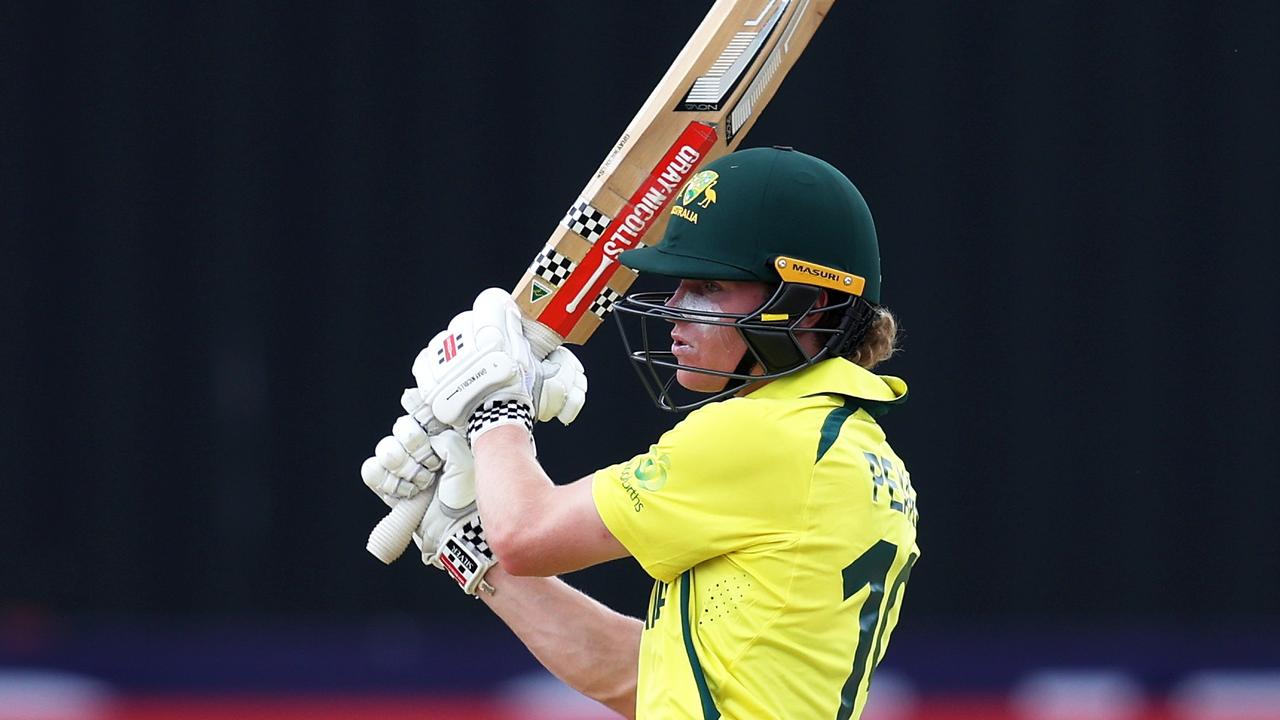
(650, 471)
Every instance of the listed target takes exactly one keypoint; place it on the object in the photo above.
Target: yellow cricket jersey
(780, 528)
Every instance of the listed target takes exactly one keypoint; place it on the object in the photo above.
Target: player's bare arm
(534, 526)
(588, 646)
(591, 648)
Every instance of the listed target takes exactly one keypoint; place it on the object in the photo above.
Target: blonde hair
(879, 342)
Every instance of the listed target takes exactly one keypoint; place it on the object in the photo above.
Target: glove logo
(449, 348)
(651, 471)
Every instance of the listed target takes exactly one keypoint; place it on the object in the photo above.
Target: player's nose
(674, 303)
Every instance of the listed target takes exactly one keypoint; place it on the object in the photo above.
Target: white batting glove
(404, 463)
(450, 536)
(405, 467)
(561, 387)
(482, 372)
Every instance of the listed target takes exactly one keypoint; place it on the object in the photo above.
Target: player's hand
(482, 372)
(481, 366)
(450, 535)
(404, 463)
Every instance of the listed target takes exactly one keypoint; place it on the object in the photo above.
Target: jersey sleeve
(710, 486)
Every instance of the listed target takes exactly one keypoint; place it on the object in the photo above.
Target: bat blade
(702, 109)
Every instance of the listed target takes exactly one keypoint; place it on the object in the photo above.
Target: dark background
(228, 227)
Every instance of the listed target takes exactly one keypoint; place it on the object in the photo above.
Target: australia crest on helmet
(699, 192)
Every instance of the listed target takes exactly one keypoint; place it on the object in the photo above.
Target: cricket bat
(701, 109)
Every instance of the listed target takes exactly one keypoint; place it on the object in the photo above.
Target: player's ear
(812, 319)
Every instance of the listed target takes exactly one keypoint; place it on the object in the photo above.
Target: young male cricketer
(778, 524)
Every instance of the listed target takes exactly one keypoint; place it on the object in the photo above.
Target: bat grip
(542, 339)
(394, 532)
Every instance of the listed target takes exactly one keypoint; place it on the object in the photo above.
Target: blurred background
(228, 228)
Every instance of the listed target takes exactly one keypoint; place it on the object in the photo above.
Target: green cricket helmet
(769, 215)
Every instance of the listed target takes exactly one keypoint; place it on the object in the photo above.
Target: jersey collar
(837, 376)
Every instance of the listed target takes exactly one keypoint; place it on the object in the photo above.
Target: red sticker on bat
(628, 228)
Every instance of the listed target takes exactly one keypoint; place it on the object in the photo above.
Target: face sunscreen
(697, 303)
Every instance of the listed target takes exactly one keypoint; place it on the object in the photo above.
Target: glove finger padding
(382, 483)
(403, 463)
(416, 405)
(563, 387)
(398, 462)
(415, 442)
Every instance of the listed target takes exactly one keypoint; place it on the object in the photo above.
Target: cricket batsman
(778, 524)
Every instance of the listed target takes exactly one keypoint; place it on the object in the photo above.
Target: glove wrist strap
(495, 413)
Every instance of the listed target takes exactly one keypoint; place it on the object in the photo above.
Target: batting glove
(561, 387)
(483, 372)
(450, 535)
(404, 463)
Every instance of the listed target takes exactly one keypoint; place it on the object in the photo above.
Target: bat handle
(394, 532)
(542, 339)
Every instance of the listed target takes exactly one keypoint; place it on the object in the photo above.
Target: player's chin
(700, 382)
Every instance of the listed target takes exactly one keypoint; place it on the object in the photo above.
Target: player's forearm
(514, 496)
(519, 506)
(591, 648)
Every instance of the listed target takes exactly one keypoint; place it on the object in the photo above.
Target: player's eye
(710, 287)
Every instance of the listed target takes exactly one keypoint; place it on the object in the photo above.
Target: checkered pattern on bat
(552, 266)
(603, 304)
(587, 221)
(473, 535)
